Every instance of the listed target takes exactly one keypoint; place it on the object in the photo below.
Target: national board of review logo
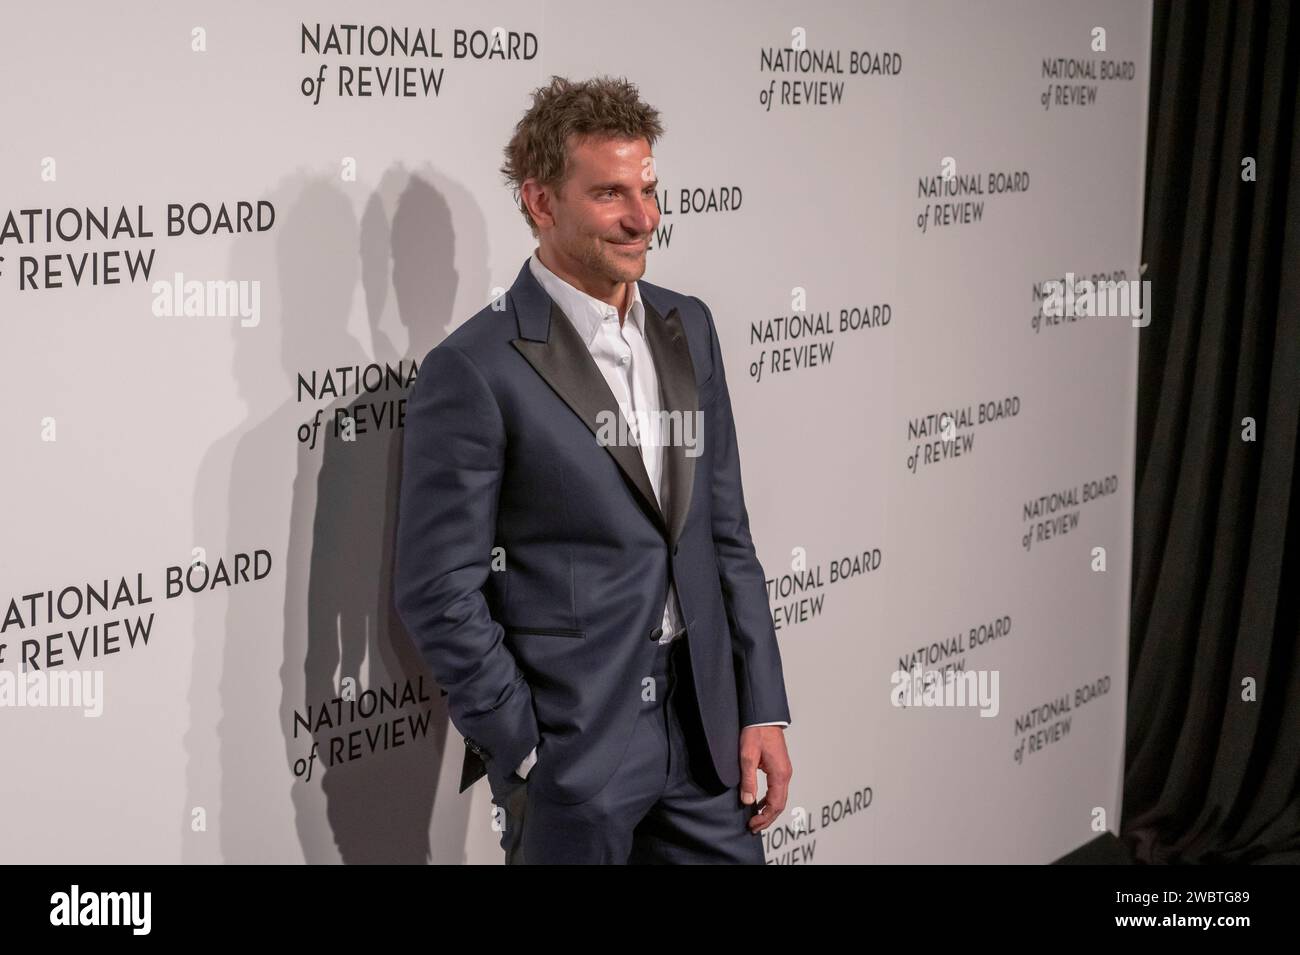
(102, 908)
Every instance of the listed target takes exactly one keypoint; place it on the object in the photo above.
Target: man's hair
(603, 107)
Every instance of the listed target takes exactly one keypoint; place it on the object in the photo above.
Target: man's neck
(618, 294)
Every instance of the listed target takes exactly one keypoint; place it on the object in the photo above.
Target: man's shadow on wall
(326, 508)
(380, 802)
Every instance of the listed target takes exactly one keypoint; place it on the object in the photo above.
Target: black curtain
(1211, 775)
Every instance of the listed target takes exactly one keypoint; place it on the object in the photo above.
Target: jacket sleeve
(454, 446)
(760, 683)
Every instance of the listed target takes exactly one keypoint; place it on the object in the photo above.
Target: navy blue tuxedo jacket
(549, 644)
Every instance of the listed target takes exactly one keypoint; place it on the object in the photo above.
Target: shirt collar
(585, 312)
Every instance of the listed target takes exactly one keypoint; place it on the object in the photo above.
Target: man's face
(602, 220)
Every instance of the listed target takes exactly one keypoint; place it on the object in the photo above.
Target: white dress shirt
(624, 358)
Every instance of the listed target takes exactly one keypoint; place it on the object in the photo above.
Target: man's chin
(629, 265)
(625, 270)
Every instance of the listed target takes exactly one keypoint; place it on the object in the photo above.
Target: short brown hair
(602, 107)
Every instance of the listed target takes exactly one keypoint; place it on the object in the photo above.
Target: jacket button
(656, 633)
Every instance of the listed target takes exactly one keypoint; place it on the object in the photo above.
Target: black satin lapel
(676, 371)
(564, 361)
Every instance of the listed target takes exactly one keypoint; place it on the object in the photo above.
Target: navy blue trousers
(664, 803)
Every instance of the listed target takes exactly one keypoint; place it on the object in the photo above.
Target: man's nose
(640, 219)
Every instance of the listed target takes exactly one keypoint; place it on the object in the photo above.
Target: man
(574, 558)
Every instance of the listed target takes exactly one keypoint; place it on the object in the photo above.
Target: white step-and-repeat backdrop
(228, 235)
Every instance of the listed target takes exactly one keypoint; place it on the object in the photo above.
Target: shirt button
(624, 360)
(656, 633)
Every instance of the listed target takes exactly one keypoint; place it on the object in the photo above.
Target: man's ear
(536, 200)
